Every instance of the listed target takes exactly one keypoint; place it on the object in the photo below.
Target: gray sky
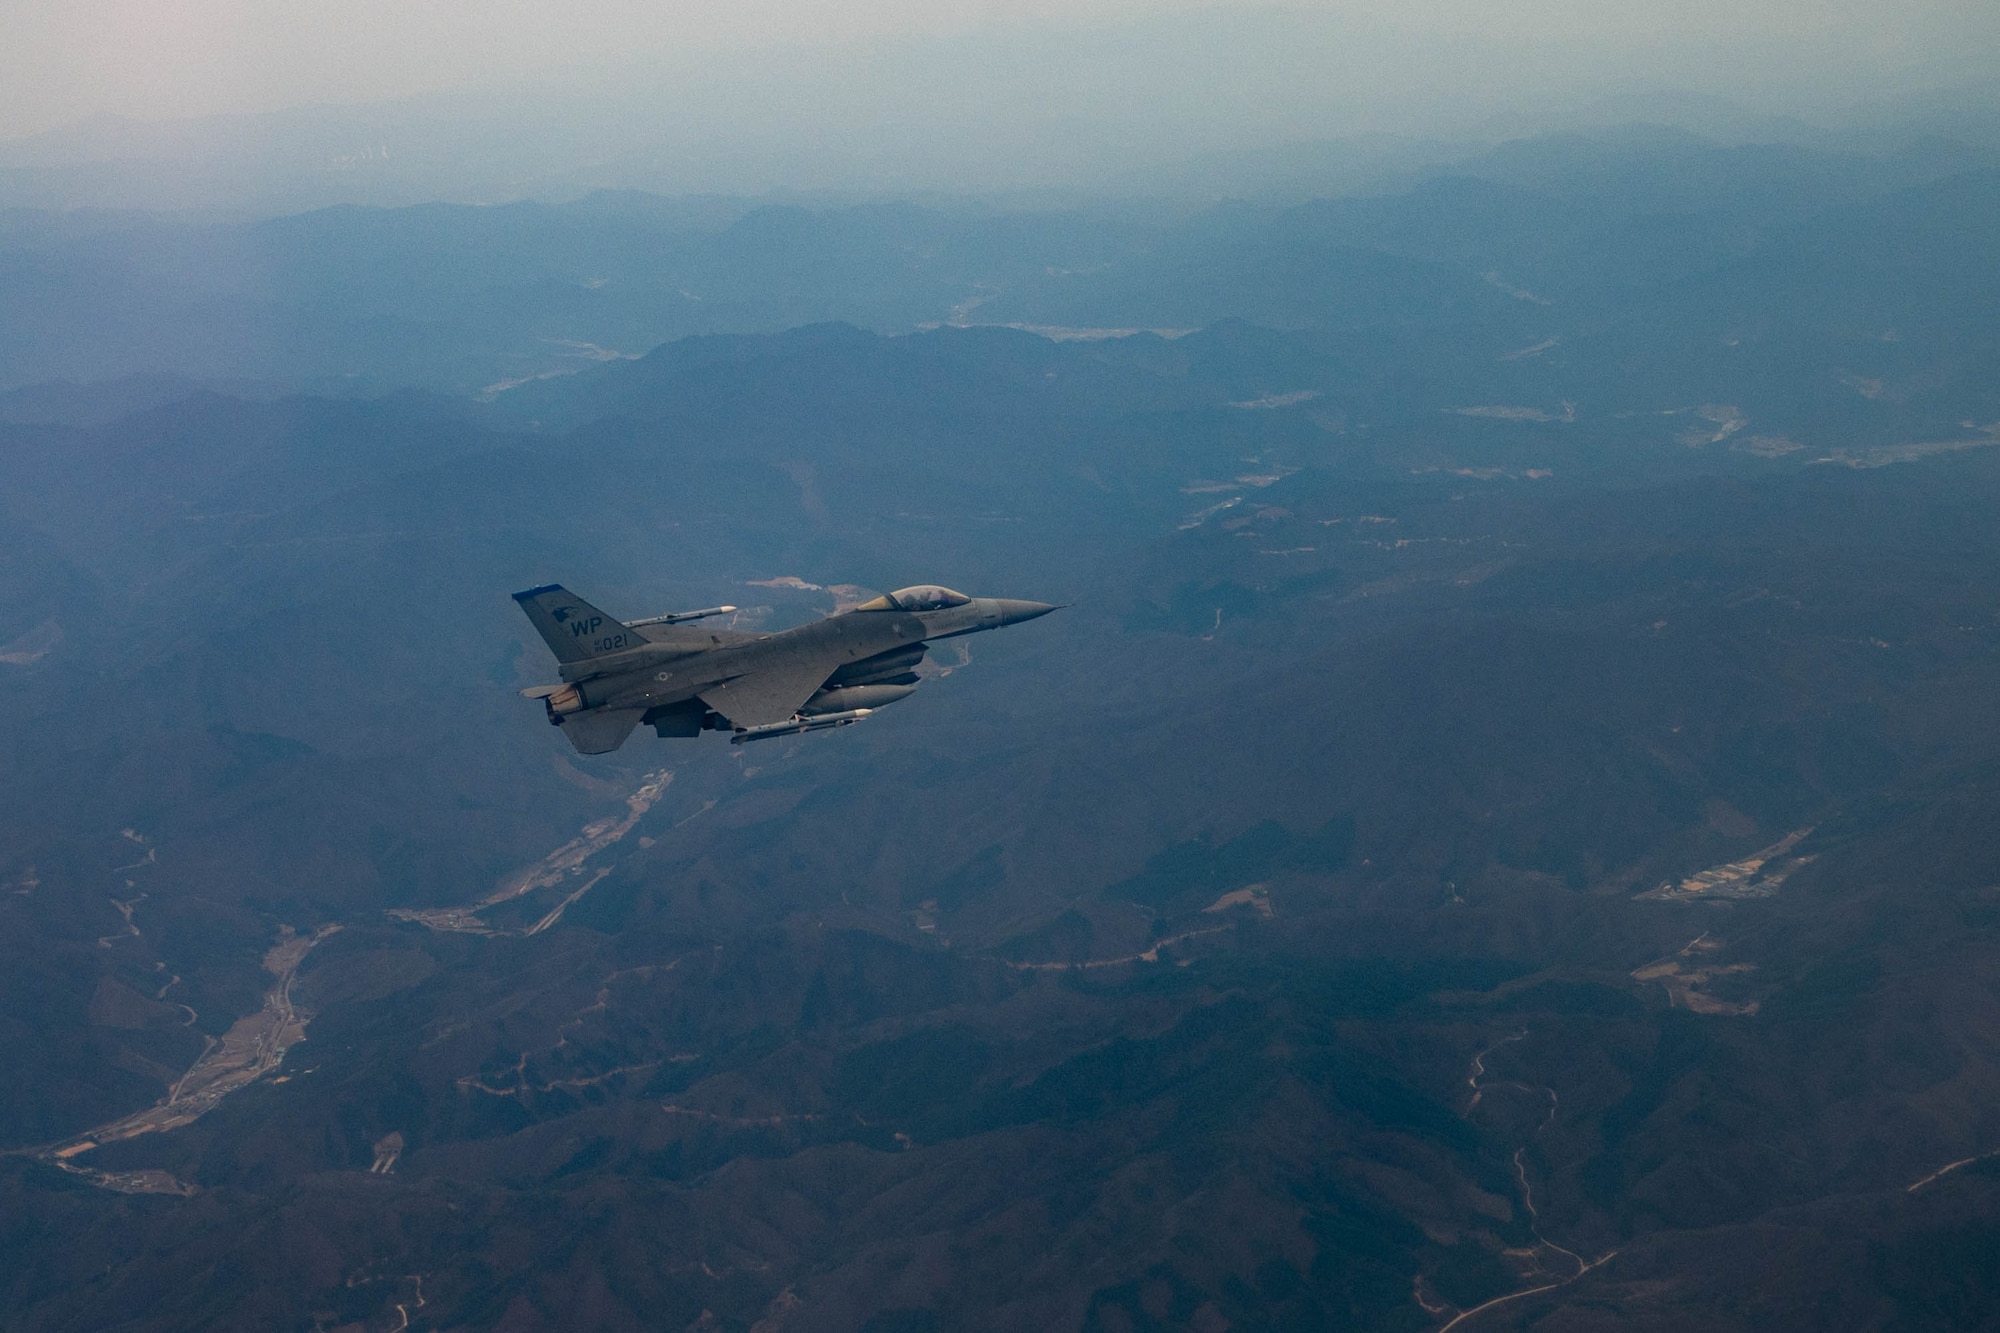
(66, 59)
(398, 101)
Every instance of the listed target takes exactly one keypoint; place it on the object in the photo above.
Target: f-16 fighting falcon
(681, 679)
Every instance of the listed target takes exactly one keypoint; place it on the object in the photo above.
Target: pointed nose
(1013, 612)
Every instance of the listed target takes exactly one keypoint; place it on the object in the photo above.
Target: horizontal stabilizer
(601, 732)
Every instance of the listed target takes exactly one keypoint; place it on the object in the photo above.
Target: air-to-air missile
(682, 679)
(800, 725)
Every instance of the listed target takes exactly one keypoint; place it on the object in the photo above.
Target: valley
(253, 1047)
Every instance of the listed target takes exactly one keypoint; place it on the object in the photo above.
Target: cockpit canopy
(923, 597)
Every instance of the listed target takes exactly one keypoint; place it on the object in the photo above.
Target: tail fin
(574, 630)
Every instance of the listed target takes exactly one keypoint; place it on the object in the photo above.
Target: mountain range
(1506, 816)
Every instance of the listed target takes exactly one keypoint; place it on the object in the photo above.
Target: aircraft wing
(767, 681)
(772, 691)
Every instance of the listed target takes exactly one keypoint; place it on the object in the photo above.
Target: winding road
(1474, 1078)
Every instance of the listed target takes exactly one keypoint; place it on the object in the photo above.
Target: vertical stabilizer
(574, 630)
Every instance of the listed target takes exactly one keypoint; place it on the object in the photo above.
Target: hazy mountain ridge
(354, 300)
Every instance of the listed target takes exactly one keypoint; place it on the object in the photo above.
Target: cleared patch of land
(1739, 879)
(1685, 977)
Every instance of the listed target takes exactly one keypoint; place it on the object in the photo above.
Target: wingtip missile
(681, 617)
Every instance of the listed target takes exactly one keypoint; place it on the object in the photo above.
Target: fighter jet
(682, 678)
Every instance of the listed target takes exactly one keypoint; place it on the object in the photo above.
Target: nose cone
(1013, 612)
